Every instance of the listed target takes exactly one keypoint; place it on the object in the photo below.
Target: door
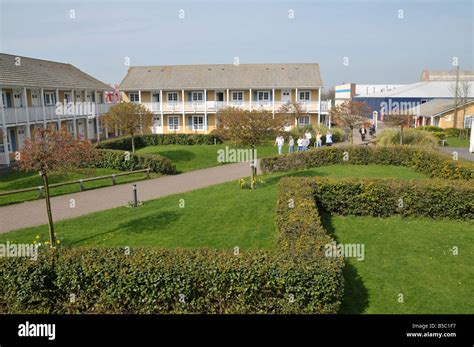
(285, 96)
(35, 98)
(12, 140)
(17, 98)
(67, 97)
(81, 129)
(21, 137)
(157, 126)
(220, 96)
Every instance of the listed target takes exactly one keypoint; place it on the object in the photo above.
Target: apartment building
(186, 98)
(38, 93)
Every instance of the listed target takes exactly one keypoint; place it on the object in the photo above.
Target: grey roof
(44, 73)
(444, 75)
(433, 89)
(222, 76)
(434, 107)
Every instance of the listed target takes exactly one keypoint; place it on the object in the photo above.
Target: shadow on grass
(148, 223)
(178, 155)
(356, 297)
(274, 180)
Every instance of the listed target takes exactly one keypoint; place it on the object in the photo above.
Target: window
(49, 98)
(467, 121)
(134, 97)
(302, 121)
(156, 97)
(198, 123)
(197, 96)
(172, 97)
(305, 95)
(263, 96)
(237, 97)
(173, 123)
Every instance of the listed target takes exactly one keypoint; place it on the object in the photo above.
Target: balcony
(214, 106)
(39, 114)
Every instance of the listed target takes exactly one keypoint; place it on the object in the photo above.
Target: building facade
(39, 93)
(186, 98)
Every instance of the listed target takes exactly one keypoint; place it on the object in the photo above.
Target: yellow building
(186, 98)
(440, 112)
(37, 93)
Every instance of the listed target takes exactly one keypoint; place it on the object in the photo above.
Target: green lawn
(409, 256)
(188, 158)
(18, 180)
(456, 142)
(221, 216)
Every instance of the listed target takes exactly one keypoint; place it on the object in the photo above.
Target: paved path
(463, 152)
(33, 213)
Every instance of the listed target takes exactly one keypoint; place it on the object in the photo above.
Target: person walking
(291, 144)
(329, 138)
(362, 132)
(318, 142)
(308, 136)
(279, 141)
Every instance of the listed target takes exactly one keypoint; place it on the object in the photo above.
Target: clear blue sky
(381, 47)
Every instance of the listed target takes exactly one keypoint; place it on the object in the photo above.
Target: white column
(250, 99)
(184, 117)
(4, 131)
(273, 102)
(227, 97)
(296, 100)
(59, 115)
(28, 130)
(319, 106)
(44, 110)
(139, 96)
(161, 105)
(74, 125)
(205, 109)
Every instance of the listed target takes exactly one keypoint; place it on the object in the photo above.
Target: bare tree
(49, 150)
(130, 118)
(350, 114)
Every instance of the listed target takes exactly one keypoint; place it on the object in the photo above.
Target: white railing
(38, 114)
(3, 158)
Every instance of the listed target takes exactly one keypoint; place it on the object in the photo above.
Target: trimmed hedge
(166, 281)
(125, 142)
(428, 162)
(386, 197)
(119, 160)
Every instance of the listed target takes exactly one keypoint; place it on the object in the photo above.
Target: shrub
(386, 197)
(426, 161)
(431, 128)
(119, 160)
(410, 137)
(125, 142)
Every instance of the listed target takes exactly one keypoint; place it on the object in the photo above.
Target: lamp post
(375, 118)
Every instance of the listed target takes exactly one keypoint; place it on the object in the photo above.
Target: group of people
(303, 142)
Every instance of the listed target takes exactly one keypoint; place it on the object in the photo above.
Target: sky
(386, 42)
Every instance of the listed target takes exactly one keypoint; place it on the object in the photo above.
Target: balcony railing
(214, 106)
(38, 114)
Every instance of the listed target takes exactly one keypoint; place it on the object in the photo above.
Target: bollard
(135, 198)
(40, 192)
(147, 173)
(113, 179)
(81, 183)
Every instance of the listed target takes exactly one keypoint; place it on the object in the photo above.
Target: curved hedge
(125, 142)
(429, 162)
(120, 160)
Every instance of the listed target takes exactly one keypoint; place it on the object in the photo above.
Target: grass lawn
(457, 142)
(18, 180)
(188, 158)
(221, 216)
(409, 256)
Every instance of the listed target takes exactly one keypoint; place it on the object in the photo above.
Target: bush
(125, 142)
(385, 197)
(119, 160)
(426, 161)
(411, 137)
(431, 128)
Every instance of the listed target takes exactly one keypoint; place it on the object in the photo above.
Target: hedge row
(125, 142)
(125, 161)
(103, 280)
(429, 162)
(386, 197)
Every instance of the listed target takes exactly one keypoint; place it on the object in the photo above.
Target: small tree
(249, 128)
(350, 114)
(398, 120)
(130, 118)
(49, 150)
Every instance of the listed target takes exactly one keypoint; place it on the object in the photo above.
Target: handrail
(80, 182)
